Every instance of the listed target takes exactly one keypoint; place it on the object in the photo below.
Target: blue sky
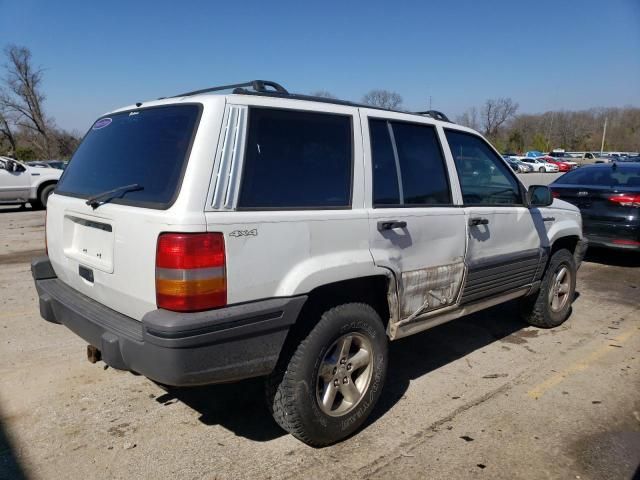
(544, 54)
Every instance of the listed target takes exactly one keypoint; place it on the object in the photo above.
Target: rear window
(148, 147)
(297, 160)
(608, 177)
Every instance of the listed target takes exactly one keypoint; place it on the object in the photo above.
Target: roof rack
(259, 87)
(435, 114)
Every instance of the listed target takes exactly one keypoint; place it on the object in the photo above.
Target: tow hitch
(93, 354)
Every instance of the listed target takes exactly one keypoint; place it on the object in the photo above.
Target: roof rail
(258, 86)
(435, 114)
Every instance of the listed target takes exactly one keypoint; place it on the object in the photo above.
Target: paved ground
(538, 178)
(481, 397)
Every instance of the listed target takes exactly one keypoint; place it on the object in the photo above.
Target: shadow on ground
(10, 467)
(616, 258)
(241, 408)
(16, 208)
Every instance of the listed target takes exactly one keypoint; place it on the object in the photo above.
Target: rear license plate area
(89, 242)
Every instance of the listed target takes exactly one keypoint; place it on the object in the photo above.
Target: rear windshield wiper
(104, 197)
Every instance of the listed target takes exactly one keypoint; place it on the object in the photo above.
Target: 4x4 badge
(583, 194)
(244, 233)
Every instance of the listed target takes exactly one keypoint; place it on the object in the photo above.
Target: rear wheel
(326, 388)
(551, 305)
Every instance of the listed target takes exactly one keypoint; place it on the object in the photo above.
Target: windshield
(148, 147)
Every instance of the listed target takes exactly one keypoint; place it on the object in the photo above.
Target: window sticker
(102, 123)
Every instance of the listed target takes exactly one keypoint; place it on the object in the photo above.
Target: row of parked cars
(559, 160)
(542, 163)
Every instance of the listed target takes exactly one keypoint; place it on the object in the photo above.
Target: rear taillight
(626, 200)
(190, 271)
(621, 241)
(555, 194)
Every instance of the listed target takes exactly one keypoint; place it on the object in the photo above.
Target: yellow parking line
(539, 390)
(15, 314)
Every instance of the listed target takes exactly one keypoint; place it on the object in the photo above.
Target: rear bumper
(613, 235)
(178, 349)
(616, 243)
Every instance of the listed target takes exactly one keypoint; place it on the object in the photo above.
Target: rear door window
(297, 160)
(408, 165)
(148, 147)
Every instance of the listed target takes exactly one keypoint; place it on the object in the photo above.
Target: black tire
(43, 197)
(293, 388)
(541, 169)
(537, 309)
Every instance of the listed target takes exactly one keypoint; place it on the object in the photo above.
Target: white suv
(21, 183)
(212, 237)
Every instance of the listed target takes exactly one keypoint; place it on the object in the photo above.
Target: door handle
(475, 221)
(548, 219)
(390, 225)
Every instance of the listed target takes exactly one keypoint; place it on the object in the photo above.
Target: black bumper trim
(180, 349)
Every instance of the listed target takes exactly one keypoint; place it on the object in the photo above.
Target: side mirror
(539, 196)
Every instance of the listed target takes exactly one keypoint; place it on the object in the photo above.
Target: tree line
(498, 120)
(27, 133)
(579, 130)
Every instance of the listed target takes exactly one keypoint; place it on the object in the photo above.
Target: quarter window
(297, 159)
(408, 165)
(485, 179)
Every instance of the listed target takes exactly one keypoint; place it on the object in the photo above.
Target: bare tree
(469, 118)
(6, 130)
(383, 98)
(323, 94)
(495, 113)
(24, 97)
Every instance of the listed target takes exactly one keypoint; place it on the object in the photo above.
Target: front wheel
(43, 197)
(328, 386)
(551, 305)
(541, 170)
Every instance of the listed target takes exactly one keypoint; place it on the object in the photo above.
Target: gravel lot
(481, 396)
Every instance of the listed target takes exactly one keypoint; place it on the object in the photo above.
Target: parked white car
(539, 165)
(21, 183)
(212, 237)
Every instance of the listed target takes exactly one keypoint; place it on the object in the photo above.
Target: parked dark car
(513, 164)
(59, 164)
(608, 196)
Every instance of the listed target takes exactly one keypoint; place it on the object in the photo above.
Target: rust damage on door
(423, 291)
